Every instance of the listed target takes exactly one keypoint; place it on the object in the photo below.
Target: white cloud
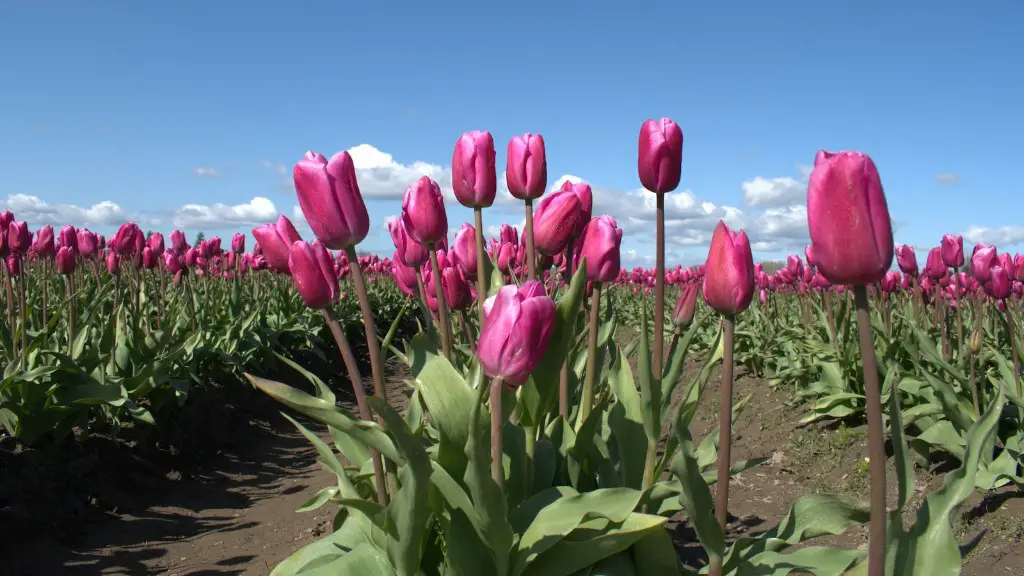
(947, 178)
(206, 172)
(1001, 236)
(35, 211)
(782, 191)
(279, 169)
(259, 210)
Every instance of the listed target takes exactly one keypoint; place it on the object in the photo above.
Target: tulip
(463, 253)
(275, 240)
(516, 333)
(982, 261)
(68, 237)
(178, 242)
(848, 218)
(457, 292)
(1005, 261)
(508, 234)
(952, 250)
(526, 168)
(149, 258)
(934, 267)
(213, 245)
(1018, 267)
(423, 212)
(729, 278)
(330, 199)
(408, 251)
(191, 258)
(809, 254)
(66, 260)
(43, 246)
(585, 195)
(555, 222)
(405, 277)
(600, 244)
(313, 274)
(156, 244)
(19, 238)
(113, 263)
(686, 306)
(474, 178)
(238, 243)
(124, 240)
(506, 256)
(660, 158)
(906, 259)
(999, 284)
(794, 266)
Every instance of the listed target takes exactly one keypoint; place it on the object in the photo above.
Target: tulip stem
(531, 260)
(659, 290)
(46, 281)
(71, 311)
(497, 466)
(588, 383)
(481, 254)
(427, 317)
(959, 316)
(357, 388)
(978, 309)
(465, 327)
(724, 434)
(1011, 336)
(563, 377)
(876, 439)
(442, 305)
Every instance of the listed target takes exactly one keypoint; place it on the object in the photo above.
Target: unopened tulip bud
(276, 241)
(526, 167)
(585, 195)
(729, 273)
(423, 212)
(474, 177)
(906, 259)
(407, 250)
(976, 341)
(19, 238)
(113, 263)
(999, 285)
(313, 274)
(463, 253)
(43, 244)
(600, 245)
(238, 243)
(660, 157)
(66, 260)
(124, 240)
(952, 250)
(330, 199)
(934, 267)
(555, 222)
(516, 332)
(982, 261)
(848, 219)
(686, 306)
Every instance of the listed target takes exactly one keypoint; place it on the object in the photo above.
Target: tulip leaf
(695, 495)
(595, 539)
(626, 420)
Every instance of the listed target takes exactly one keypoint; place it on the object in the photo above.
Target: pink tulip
(934, 267)
(1005, 261)
(68, 237)
(14, 265)
(149, 258)
(474, 178)
(66, 260)
(19, 238)
(313, 274)
(526, 167)
(952, 250)
(999, 284)
(600, 245)
(113, 263)
(660, 157)
(276, 240)
(809, 254)
(172, 262)
(408, 251)
(124, 240)
(982, 261)
(156, 244)
(238, 243)
(848, 218)
(463, 253)
(686, 306)
(43, 246)
(405, 277)
(586, 197)
(330, 199)
(729, 278)
(516, 332)
(555, 222)
(456, 289)
(178, 242)
(906, 259)
(423, 212)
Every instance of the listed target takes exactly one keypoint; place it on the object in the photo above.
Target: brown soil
(234, 513)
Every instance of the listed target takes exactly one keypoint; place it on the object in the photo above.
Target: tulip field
(554, 413)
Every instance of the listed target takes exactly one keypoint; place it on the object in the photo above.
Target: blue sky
(191, 114)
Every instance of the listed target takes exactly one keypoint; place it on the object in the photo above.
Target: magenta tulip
(43, 245)
(982, 261)
(407, 250)
(729, 273)
(809, 254)
(19, 238)
(516, 332)
(952, 250)
(600, 245)
(456, 288)
(526, 167)
(330, 199)
(178, 242)
(276, 240)
(124, 240)
(848, 218)
(660, 157)
(463, 253)
(68, 237)
(586, 197)
(686, 306)
(474, 178)
(172, 262)
(313, 274)
(238, 243)
(113, 263)
(934, 267)
(999, 284)
(423, 212)
(555, 222)
(906, 259)
(66, 260)
(405, 277)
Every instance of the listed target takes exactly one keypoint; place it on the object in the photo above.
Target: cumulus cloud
(36, 211)
(1001, 236)
(782, 191)
(259, 210)
(947, 178)
(206, 172)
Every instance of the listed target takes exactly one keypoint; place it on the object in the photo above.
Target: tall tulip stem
(442, 305)
(724, 434)
(563, 377)
(427, 318)
(588, 383)
(481, 254)
(357, 388)
(531, 260)
(1011, 336)
(876, 439)
(659, 290)
(497, 466)
(369, 323)
(959, 316)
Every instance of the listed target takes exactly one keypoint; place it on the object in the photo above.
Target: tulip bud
(408, 251)
(19, 239)
(555, 222)
(423, 212)
(934, 267)
(516, 332)
(213, 245)
(600, 244)
(952, 250)
(585, 195)
(474, 177)
(43, 245)
(149, 258)
(276, 241)
(113, 263)
(238, 243)
(982, 261)
(88, 243)
(405, 277)
(686, 306)
(729, 276)
(660, 158)
(124, 240)
(456, 288)
(178, 242)
(526, 167)
(848, 218)
(463, 252)
(330, 199)
(1005, 261)
(809, 255)
(976, 341)
(68, 237)
(794, 266)
(66, 260)
(156, 244)
(999, 284)
(313, 274)
(508, 234)
(906, 259)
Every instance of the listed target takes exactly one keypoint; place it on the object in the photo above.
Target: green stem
(588, 383)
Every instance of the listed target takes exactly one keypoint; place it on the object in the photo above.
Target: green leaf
(626, 419)
(695, 495)
(594, 540)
